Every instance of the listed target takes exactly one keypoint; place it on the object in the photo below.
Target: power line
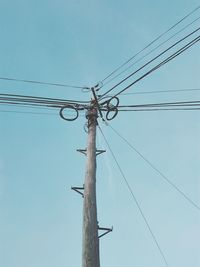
(159, 109)
(152, 42)
(43, 83)
(150, 52)
(156, 169)
(164, 104)
(23, 105)
(155, 92)
(44, 105)
(134, 198)
(161, 91)
(25, 102)
(153, 59)
(27, 112)
(40, 101)
(172, 56)
(177, 105)
(43, 98)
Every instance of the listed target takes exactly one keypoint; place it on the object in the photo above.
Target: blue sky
(80, 42)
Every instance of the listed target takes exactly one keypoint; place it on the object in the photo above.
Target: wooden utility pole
(90, 251)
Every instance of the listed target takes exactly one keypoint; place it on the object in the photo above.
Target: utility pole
(90, 250)
(91, 236)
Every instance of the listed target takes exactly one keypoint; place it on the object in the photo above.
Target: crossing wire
(156, 169)
(152, 42)
(134, 197)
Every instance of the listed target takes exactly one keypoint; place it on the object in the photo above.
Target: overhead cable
(162, 91)
(152, 42)
(152, 60)
(159, 109)
(44, 83)
(64, 106)
(27, 112)
(40, 101)
(151, 51)
(156, 169)
(164, 104)
(172, 56)
(46, 98)
(155, 92)
(134, 198)
(13, 104)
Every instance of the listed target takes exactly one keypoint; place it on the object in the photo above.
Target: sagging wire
(134, 198)
(156, 169)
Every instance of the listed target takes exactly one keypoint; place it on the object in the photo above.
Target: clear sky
(80, 42)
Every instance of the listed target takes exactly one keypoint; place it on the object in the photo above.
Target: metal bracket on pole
(107, 230)
(84, 151)
(77, 189)
(99, 151)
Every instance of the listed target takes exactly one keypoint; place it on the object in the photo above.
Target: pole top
(92, 110)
